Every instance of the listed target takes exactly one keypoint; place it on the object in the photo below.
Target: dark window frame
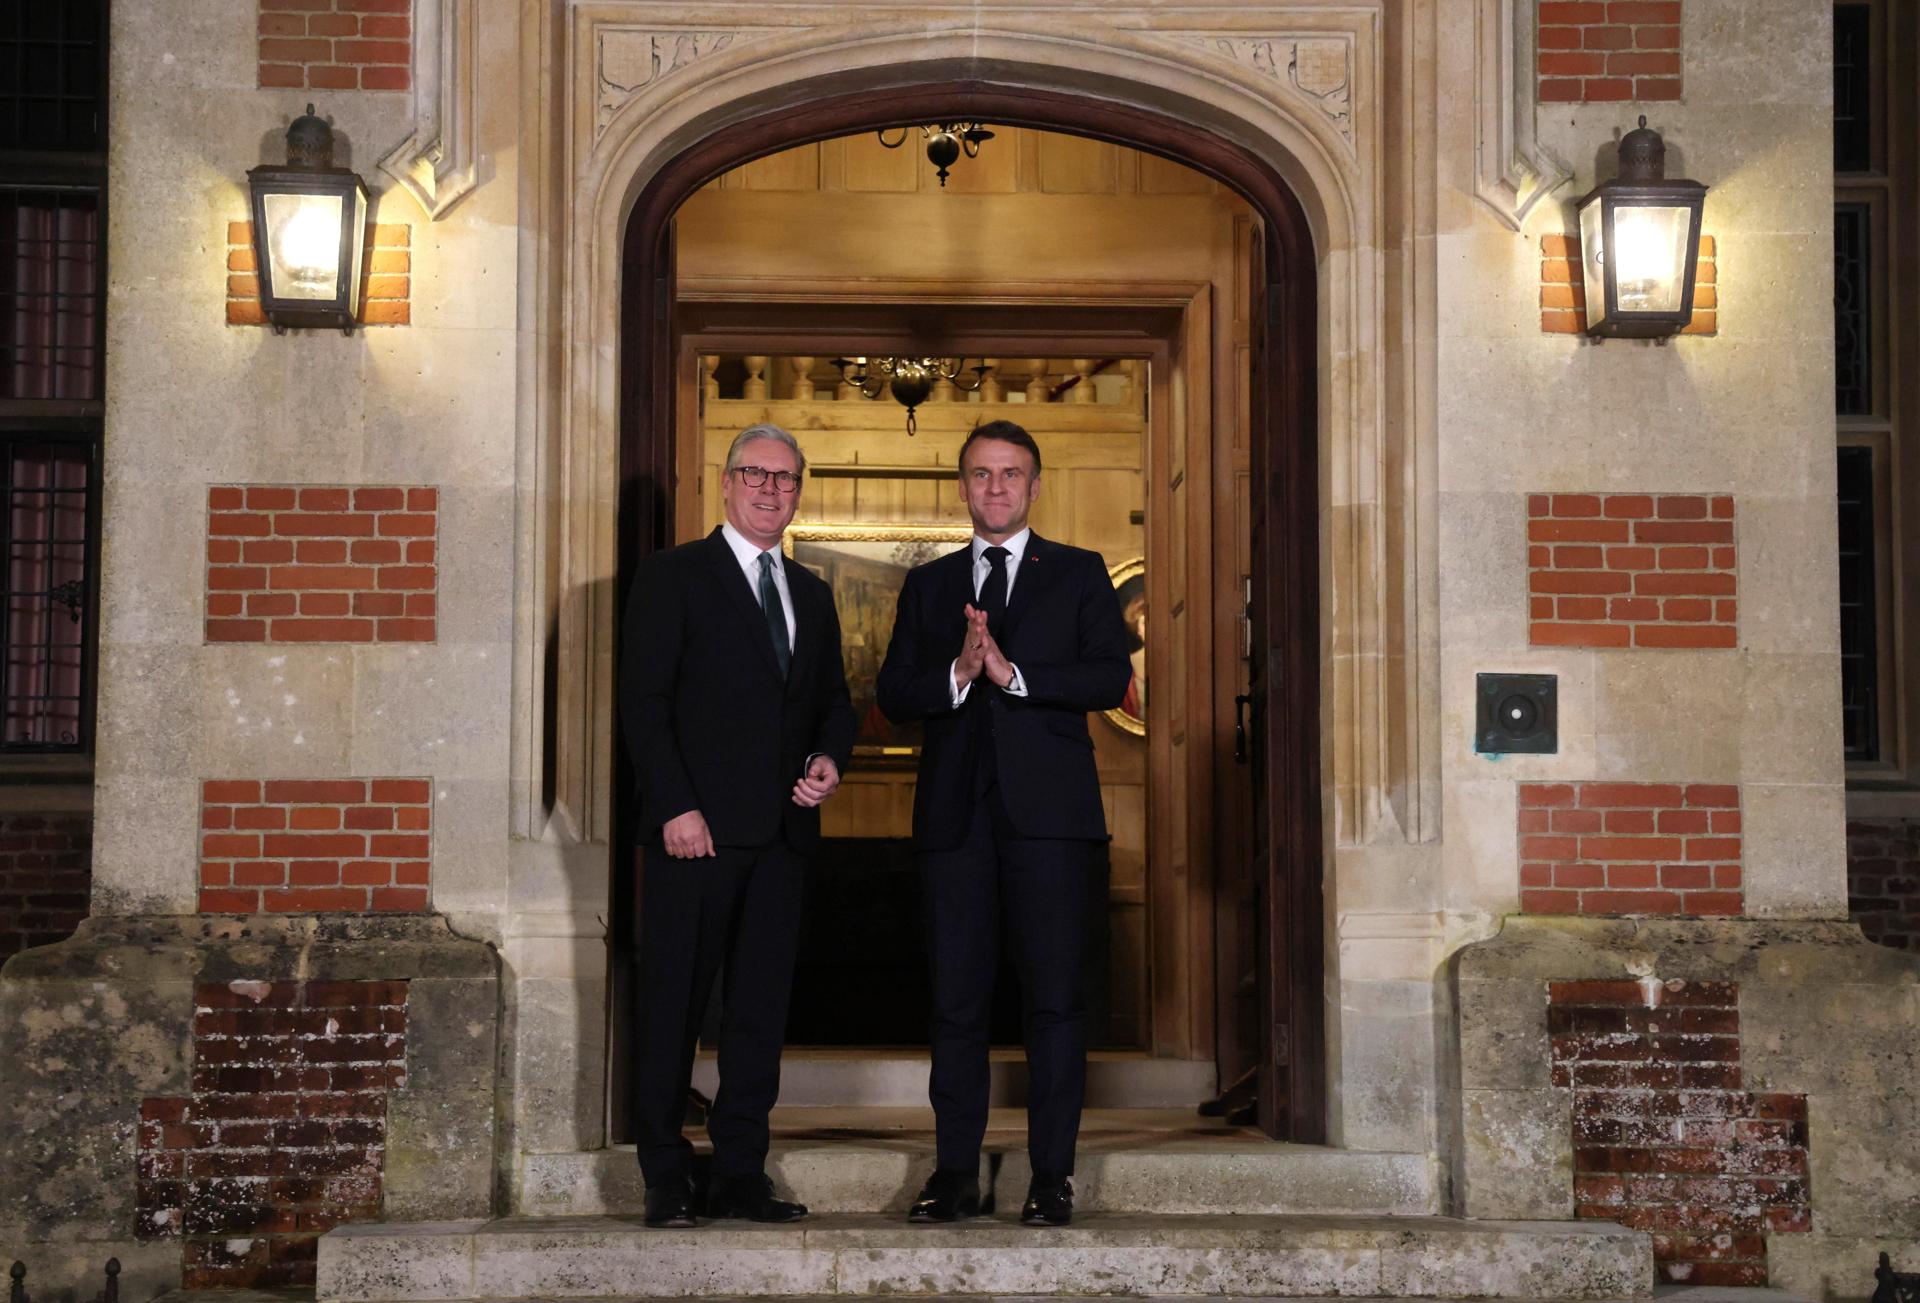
(65, 161)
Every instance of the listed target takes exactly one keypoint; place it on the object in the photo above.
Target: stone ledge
(1099, 1254)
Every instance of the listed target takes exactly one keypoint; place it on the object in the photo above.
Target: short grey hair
(761, 431)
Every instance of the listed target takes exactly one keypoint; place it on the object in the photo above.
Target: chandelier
(946, 142)
(910, 378)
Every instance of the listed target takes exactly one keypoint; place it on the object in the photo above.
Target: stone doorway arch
(1295, 117)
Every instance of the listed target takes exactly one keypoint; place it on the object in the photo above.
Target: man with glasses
(734, 700)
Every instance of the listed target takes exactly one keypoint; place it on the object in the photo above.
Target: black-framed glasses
(755, 476)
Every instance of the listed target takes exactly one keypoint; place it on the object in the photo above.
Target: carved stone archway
(1337, 102)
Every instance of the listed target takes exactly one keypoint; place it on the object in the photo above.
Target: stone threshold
(1101, 1254)
(840, 1176)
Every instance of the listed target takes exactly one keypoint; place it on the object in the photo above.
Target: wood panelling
(1043, 220)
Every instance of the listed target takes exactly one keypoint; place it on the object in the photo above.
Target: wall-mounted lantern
(1640, 241)
(309, 232)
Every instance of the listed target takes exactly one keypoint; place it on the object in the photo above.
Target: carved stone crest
(1319, 67)
(630, 60)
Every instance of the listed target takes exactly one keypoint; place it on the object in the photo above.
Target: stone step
(862, 1173)
(864, 1078)
(1100, 1254)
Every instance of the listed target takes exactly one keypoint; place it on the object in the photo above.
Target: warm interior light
(1650, 252)
(303, 241)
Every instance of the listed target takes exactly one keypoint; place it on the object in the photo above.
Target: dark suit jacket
(1064, 632)
(709, 722)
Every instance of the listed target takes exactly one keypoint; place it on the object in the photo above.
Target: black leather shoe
(948, 1195)
(752, 1198)
(1049, 1202)
(671, 1203)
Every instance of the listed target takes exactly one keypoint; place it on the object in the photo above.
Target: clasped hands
(980, 654)
(687, 836)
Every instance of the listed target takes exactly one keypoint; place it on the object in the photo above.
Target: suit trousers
(737, 913)
(1036, 891)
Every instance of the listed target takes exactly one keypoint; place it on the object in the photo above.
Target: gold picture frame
(1130, 586)
(865, 565)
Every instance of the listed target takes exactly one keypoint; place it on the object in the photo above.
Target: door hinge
(1282, 1046)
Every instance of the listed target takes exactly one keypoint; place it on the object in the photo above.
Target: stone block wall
(1883, 880)
(1738, 1088)
(203, 1096)
(46, 873)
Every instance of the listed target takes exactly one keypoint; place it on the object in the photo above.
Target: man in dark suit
(735, 704)
(1001, 650)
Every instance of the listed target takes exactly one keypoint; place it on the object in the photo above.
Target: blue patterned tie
(776, 617)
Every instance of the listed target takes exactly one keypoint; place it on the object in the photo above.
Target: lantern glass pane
(1650, 257)
(303, 245)
(358, 235)
(1590, 236)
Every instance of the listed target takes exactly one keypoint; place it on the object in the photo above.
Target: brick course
(1602, 51)
(322, 563)
(1883, 880)
(1630, 848)
(1563, 288)
(46, 878)
(283, 1135)
(386, 282)
(1632, 570)
(336, 44)
(1665, 1138)
(295, 846)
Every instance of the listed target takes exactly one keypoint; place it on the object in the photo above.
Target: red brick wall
(1596, 51)
(283, 1136)
(1665, 1140)
(1631, 570)
(386, 285)
(46, 877)
(1630, 848)
(321, 563)
(295, 846)
(1883, 880)
(336, 44)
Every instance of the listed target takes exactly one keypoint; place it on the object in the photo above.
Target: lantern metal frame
(309, 170)
(1642, 183)
(911, 379)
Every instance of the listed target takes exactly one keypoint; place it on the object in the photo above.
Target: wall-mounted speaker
(1517, 715)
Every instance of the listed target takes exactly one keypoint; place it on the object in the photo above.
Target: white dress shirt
(749, 558)
(1016, 549)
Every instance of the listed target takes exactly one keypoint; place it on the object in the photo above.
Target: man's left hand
(998, 669)
(818, 783)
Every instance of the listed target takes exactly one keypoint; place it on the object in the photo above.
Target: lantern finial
(1643, 154)
(310, 141)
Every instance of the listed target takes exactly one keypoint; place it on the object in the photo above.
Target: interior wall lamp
(946, 142)
(910, 378)
(1640, 242)
(309, 232)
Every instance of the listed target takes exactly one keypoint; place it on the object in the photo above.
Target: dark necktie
(993, 592)
(776, 617)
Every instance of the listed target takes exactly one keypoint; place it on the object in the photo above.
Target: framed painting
(866, 565)
(1130, 586)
